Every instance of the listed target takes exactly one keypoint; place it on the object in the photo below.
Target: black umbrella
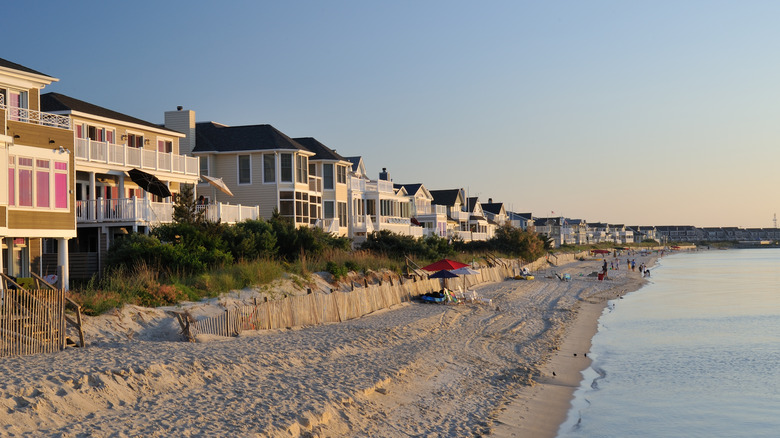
(149, 182)
(443, 274)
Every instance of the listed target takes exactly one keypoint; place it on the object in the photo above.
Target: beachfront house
(562, 231)
(264, 167)
(523, 221)
(108, 145)
(677, 233)
(495, 211)
(37, 171)
(329, 171)
(376, 205)
(457, 218)
(620, 234)
(432, 218)
(479, 226)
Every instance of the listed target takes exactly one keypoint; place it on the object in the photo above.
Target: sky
(627, 112)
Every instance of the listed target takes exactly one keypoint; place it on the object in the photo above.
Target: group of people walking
(642, 267)
(630, 265)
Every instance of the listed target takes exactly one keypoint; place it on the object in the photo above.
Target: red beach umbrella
(445, 264)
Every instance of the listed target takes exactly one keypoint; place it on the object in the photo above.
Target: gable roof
(216, 137)
(60, 103)
(358, 167)
(321, 152)
(445, 197)
(411, 189)
(472, 204)
(4, 63)
(492, 207)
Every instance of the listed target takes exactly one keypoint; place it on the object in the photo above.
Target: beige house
(37, 203)
(263, 166)
(107, 145)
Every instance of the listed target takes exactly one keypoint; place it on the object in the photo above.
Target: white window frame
(238, 169)
(275, 170)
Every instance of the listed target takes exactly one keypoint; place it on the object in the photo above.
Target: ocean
(695, 353)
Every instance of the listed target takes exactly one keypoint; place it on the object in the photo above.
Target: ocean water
(696, 353)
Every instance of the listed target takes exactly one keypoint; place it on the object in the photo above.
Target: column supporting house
(63, 265)
(121, 184)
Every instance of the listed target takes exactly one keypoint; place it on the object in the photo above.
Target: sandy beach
(506, 368)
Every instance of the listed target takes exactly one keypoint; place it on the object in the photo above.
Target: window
(287, 204)
(342, 174)
(204, 165)
(165, 146)
(42, 183)
(16, 100)
(244, 169)
(37, 182)
(302, 169)
(135, 140)
(286, 162)
(60, 184)
(342, 212)
(269, 168)
(328, 212)
(25, 182)
(327, 176)
(301, 207)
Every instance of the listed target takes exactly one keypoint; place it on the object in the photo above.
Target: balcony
(460, 216)
(35, 117)
(145, 212)
(364, 185)
(101, 152)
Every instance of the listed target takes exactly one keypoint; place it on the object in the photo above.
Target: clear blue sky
(643, 113)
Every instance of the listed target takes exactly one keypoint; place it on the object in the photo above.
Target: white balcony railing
(143, 211)
(364, 185)
(35, 117)
(146, 159)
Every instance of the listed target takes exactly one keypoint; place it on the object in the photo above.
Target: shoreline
(542, 409)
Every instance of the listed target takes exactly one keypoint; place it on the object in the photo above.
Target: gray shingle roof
(445, 197)
(321, 151)
(215, 137)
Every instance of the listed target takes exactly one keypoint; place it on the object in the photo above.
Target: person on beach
(604, 267)
(633, 265)
(628, 264)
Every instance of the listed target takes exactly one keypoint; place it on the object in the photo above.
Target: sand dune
(413, 370)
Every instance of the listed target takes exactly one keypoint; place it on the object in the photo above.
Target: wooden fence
(319, 308)
(31, 321)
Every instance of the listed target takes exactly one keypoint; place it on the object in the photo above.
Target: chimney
(182, 121)
(384, 174)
